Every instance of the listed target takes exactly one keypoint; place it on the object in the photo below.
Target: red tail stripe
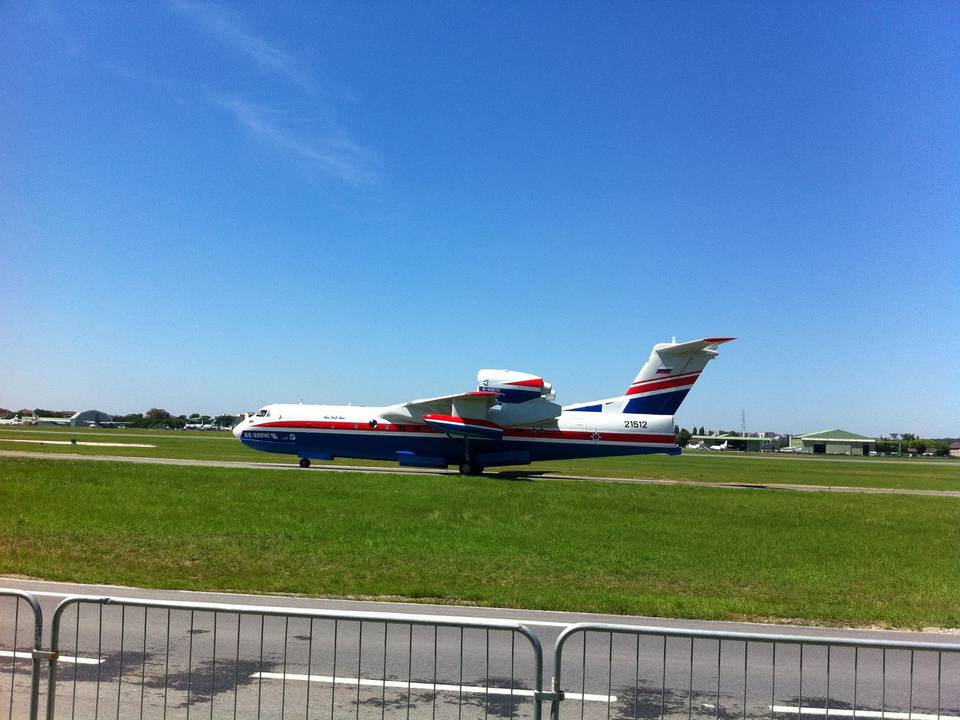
(672, 377)
(675, 382)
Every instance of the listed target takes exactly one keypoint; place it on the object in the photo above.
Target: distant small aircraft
(510, 419)
(15, 420)
(723, 446)
(695, 446)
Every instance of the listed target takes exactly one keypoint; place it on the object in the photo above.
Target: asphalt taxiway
(120, 658)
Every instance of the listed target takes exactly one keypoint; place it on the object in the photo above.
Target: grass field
(698, 466)
(689, 552)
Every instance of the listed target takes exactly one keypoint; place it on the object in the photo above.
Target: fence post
(36, 653)
(52, 658)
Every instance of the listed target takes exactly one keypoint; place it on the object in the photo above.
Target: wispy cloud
(231, 30)
(332, 153)
(328, 149)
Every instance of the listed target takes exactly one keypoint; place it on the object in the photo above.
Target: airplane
(510, 419)
(695, 446)
(15, 420)
(724, 446)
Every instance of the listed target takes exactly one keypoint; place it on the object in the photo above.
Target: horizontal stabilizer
(691, 346)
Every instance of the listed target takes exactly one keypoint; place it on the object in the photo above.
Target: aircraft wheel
(477, 470)
(466, 468)
(304, 462)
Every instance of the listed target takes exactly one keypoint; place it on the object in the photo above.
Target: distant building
(834, 442)
(955, 449)
(90, 418)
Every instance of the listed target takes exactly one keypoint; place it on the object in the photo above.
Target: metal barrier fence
(657, 672)
(20, 654)
(123, 657)
(153, 659)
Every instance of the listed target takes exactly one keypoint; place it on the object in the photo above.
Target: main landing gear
(468, 467)
(304, 462)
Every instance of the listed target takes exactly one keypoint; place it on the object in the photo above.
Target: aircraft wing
(469, 404)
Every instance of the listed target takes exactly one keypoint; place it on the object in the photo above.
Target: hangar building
(89, 418)
(834, 442)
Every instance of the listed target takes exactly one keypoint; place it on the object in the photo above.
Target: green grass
(771, 469)
(698, 466)
(688, 552)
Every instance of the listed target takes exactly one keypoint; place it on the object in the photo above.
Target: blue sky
(210, 207)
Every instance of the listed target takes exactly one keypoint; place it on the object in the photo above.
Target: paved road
(521, 474)
(120, 657)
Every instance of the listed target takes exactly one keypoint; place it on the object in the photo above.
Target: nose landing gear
(304, 462)
(469, 468)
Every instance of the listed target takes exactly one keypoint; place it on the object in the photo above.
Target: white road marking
(61, 658)
(439, 687)
(78, 442)
(843, 712)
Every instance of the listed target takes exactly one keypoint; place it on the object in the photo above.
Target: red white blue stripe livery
(510, 419)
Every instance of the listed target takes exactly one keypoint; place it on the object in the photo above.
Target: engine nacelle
(514, 386)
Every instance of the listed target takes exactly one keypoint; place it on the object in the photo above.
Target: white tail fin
(663, 382)
(667, 376)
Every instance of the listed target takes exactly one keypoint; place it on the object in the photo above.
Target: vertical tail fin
(666, 378)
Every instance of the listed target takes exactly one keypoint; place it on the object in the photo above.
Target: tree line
(913, 445)
(158, 418)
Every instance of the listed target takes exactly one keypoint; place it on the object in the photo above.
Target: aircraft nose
(238, 428)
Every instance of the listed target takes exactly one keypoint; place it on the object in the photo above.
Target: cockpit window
(263, 413)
